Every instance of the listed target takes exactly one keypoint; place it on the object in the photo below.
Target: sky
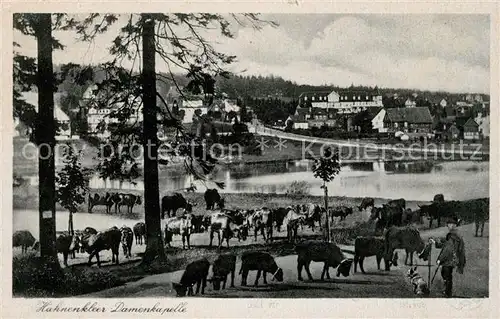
(426, 52)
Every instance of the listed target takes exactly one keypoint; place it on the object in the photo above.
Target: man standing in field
(452, 255)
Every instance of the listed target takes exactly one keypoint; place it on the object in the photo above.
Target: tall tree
(326, 167)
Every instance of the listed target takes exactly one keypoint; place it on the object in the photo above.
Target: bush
(34, 277)
(347, 235)
(299, 188)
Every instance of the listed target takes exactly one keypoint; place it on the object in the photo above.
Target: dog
(420, 287)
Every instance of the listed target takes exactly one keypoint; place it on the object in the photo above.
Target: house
(484, 124)
(410, 102)
(62, 118)
(452, 132)
(314, 99)
(471, 130)
(354, 101)
(298, 122)
(409, 120)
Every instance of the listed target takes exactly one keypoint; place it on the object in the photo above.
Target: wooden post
(328, 230)
(429, 266)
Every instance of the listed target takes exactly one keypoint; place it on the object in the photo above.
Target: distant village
(365, 112)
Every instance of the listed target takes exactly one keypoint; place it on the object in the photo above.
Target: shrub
(299, 188)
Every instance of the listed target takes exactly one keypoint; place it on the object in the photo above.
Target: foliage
(72, 180)
(299, 188)
(271, 111)
(327, 166)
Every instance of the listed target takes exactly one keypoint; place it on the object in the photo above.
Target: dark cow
(66, 244)
(223, 266)
(407, 238)
(278, 217)
(437, 211)
(320, 251)
(23, 239)
(238, 222)
(179, 226)
(438, 198)
(397, 203)
(83, 238)
(171, 203)
(370, 246)
(263, 221)
(366, 202)
(263, 263)
(140, 233)
(126, 240)
(387, 215)
(107, 200)
(105, 240)
(128, 200)
(195, 273)
(212, 197)
(340, 211)
(197, 222)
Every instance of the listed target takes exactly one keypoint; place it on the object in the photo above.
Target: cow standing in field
(197, 223)
(195, 273)
(23, 239)
(370, 246)
(292, 221)
(222, 267)
(171, 203)
(107, 200)
(128, 200)
(407, 238)
(319, 251)
(179, 226)
(223, 225)
(106, 240)
(387, 216)
(126, 240)
(66, 244)
(437, 211)
(365, 203)
(139, 232)
(212, 198)
(313, 215)
(278, 217)
(340, 211)
(397, 203)
(262, 262)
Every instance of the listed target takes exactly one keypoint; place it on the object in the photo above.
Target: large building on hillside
(409, 120)
(344, 101)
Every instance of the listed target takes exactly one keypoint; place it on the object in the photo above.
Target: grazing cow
(179, 226)
(365, 203)
(195, 273)
(105, 240)
(23, 239)
(100, 200)
(313, 215)
(397, 203)
(329, 253)
(370, 246)
(407, 238)
(223, 266)
(223, 225)
(126, 240)
(83, 238)
(438, 198)
(128, 200)
(65, 244)
(340, 211)
(140, 233)
(292, 221)
(171, 203)
(439, 210)
(263, 221)
(278, 217)
(212, 197)
(263, 263)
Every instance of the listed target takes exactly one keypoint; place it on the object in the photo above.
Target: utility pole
(45, 135)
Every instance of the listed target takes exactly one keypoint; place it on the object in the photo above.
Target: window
(312, 98)
(367, 97)
(305, 98)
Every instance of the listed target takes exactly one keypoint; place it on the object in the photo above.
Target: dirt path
(378, 284)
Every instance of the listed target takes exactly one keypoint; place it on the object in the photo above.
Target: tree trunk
(154, 246)
(327, 224)
(45, 133)
(71, 230)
